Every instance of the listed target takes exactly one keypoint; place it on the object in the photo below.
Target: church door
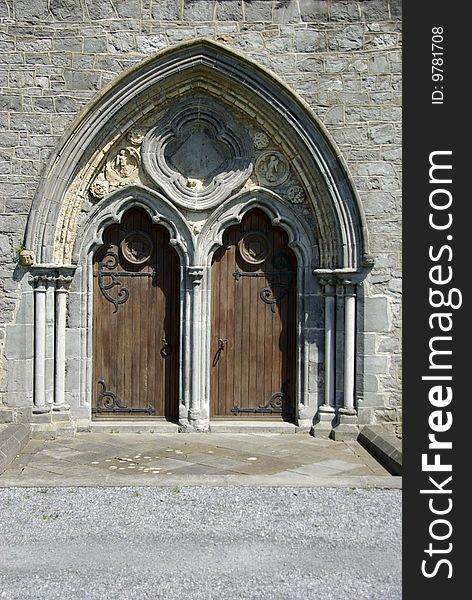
(135, 321)
(253, 322)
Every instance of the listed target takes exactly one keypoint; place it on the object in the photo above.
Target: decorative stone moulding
(198, 154)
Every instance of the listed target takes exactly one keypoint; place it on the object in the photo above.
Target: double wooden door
(253, 322)
(135, 321)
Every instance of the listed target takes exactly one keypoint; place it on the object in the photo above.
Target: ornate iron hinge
(105, 269)
(276, 281)
(273, 406)
(108, 402)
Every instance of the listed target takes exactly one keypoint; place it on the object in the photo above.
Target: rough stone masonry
(342, 57)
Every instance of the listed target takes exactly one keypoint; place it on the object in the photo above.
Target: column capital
(63, 283)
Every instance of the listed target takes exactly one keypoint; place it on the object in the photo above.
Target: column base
(324, 422)
(347, 428)
(41, 410)
(60, 407)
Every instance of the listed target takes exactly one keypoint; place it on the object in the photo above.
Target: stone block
(100, 10)
(376, 203)
(151, 43)
(129, 9)
(19, 342)
(66, 10)
(29, 11)
(376, 365)
(375, 10)
(165, 10)
(376, 315)
(384, 446)
(309, 40)
(81, 80)
(350, 38)
(229, 10)
(198, 10)
(287, 12)
(382, 134)
(258, 11)
(343, 10)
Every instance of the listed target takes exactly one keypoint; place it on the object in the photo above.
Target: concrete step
(247, 426)
(130, 427)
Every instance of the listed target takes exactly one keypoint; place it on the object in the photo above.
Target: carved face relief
(271, 168)
(26, 258)
(198, 153)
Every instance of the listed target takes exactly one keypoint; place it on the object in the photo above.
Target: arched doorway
(135, 321)
(253, 316)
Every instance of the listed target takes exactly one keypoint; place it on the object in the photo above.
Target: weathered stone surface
(100, 10)
(66, 10)
(350, 38)
(258, 10)
(307, 40)
(229, 10)
(165, 10)
(198, 10)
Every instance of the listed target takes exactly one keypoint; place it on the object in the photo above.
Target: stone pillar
(195, 356)
(50, 341)
(62, 288)
(347, 415)
(326, 412)
(40, 405)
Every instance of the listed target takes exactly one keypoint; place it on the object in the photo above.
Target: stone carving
(254, 247)
(26, 258)
(137, 247)
(196, 226)
(271, 168)
(99, 189)
(198, 153)
(136, 136)
(123, 166)
(296, 194)
(260, 140)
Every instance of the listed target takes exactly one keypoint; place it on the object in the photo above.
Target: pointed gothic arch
(215, 69)
(124, 150)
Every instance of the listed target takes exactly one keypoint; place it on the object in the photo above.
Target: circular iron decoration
(136, 247)
(254, 247)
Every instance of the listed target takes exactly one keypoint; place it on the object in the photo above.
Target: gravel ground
(200, 543)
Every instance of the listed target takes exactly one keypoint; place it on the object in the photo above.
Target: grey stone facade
(343, 58)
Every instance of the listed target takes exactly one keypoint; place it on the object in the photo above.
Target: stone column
(50, 340)
(40, 405)
(62, 288)
(195, 415)
(347, 415)
(325, 415)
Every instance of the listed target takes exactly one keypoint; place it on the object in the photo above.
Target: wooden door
(253, 322)
(135, 321)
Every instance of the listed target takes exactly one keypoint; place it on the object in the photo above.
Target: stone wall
(342, 57)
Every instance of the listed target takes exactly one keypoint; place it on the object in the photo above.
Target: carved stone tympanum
(198, 153)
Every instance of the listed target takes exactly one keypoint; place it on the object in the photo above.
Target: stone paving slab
(269, 459)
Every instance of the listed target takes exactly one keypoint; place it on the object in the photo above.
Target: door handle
(166, 349)
(222, 344)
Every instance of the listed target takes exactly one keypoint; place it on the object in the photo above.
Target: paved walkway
(270, 459)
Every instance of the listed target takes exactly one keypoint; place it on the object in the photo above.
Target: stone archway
(138, 144)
